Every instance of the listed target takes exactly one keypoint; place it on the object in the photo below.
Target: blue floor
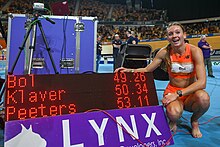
(211, 128)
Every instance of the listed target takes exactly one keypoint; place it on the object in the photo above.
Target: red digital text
(131, 91)
(24, 101)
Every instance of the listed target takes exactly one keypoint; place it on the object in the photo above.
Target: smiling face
(176, 35)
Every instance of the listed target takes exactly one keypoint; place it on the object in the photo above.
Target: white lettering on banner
(100, 130)
(121, 121)
(66, 135)
(151, 125)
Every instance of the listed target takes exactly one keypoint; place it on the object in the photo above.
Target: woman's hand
(122, 69)
(169, 98)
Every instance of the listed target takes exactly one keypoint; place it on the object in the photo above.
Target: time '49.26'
(131, 89)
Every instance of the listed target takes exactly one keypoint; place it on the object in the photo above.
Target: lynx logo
(26, 138)
(93, 129)
(99, 130)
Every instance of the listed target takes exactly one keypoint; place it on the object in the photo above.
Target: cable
(186, 132)
(209, 120)
(167, 142)
(185, 119)
(203, 123)
(105, 112)
(32, 23)
(48, 11)
(64, 44)
(215, 85)
(36, 21)
(63, 51)
(118, 124)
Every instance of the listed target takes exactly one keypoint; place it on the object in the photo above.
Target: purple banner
(93, 129)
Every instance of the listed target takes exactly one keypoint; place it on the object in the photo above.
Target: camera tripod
(33, 27)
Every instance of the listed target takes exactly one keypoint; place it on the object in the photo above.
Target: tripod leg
(21, 49)
(47, 47)
(32, 48)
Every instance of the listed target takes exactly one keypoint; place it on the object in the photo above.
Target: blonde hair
(168, 47)
(167, 62)
(176, 24)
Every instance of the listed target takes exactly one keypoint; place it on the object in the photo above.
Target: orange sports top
(182, 66)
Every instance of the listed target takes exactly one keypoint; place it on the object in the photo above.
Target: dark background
(188, 9)
(181, 9)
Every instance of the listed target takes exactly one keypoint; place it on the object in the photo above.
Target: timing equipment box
(71, 40)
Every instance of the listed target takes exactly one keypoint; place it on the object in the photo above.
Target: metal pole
(77, 57)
